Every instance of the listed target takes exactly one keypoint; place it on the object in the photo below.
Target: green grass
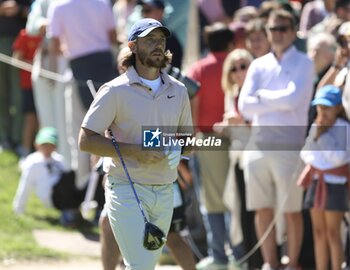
(16, 239)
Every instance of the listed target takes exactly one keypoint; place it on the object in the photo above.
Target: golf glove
(174, 156)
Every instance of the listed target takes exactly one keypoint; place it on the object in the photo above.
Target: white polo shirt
(127, 105)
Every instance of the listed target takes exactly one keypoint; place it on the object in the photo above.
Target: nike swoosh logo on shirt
(170, 96)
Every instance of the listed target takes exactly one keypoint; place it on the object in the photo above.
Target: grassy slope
(16, 240)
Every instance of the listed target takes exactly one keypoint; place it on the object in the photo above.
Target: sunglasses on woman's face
(238, 68)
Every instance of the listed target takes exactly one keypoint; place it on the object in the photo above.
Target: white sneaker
(291, 268)
(210, 264)
(232, 265)
(267, 266)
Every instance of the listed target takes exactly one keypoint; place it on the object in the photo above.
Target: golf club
(154, 238)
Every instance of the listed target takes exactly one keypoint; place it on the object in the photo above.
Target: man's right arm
(94, 143)
(249, 102)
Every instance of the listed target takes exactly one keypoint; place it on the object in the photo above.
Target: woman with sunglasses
(234, 126)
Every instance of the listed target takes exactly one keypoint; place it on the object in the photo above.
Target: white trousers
(49, 98)
(80, 161)
(127, 222)
(58, 105)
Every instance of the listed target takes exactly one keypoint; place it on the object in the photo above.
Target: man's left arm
(298, 91)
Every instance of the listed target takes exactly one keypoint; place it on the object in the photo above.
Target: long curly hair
(130, 59)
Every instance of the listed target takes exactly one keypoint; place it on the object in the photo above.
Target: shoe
(233, 265)
(166, 259)
(267, 266)
(210, 264)
(291, 268)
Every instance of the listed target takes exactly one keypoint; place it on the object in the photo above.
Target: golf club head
(154, 238)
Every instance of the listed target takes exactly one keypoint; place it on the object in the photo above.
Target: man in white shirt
(276, 97)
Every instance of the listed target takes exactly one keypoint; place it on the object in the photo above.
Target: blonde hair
(227, 83)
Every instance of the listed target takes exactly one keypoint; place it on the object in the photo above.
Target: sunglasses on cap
(240, 67)
(282, 28)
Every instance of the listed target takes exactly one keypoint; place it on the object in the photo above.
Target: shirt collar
(134, 77)
(287, 54)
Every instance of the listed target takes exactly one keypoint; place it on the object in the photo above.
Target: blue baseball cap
(145, 26)
(328, 95)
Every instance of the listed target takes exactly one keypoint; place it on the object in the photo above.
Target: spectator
(207, 109)
(13, 16)
(51, 97)
(23, 49)
(256, 38)
(346, 91)
(46, 173)
(238, 130)
(275, 97)
(266, 7)
(327, 176)
(122, 9)
(211, 11)
(313, 13)
(331, 23)
(87, 31)
(321, 49)
(238, 30)
(338, 73)
(245, 14)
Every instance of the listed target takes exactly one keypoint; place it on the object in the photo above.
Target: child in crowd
(326, 176)
(46, 173)
(24, 48)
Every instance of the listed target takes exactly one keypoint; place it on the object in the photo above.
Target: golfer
(142, 96)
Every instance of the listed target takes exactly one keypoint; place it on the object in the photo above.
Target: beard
(156, 62)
